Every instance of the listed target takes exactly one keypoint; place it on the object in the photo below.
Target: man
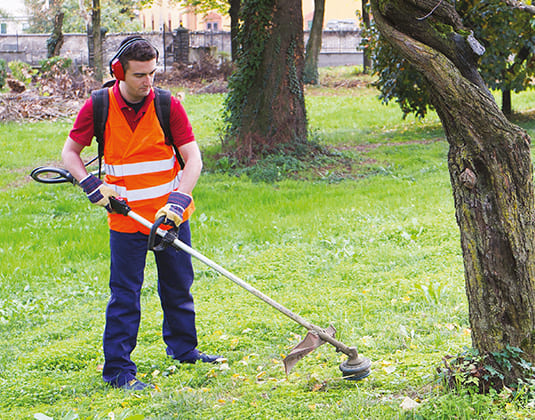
(141, 168)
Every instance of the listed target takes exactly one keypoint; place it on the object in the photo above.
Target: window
(3, 28)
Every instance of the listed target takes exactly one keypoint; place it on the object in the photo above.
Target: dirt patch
(372, 146)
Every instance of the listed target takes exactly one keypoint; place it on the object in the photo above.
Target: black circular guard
(356, 370)
(50, 175)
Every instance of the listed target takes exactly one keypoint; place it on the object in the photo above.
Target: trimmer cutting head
(356, 368)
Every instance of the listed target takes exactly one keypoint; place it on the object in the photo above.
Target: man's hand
(97, 192)
(173, 211)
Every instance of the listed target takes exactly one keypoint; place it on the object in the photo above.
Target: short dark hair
(139, 50)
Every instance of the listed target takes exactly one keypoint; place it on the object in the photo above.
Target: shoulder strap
(162, 104)
(101, 102)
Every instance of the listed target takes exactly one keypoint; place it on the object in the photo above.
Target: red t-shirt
(82, 130)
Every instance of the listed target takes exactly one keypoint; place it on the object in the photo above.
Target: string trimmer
(356, 367)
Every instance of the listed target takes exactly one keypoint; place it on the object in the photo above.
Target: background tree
(366, 23)
(95, 41)
(234, 12)
(40, 16)
(119, 16)
(490, 170)
(508, 64)
(509, 39)
(313, 47)
(55, 41)
(265, 107)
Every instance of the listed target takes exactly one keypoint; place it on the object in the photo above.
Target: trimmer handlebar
(51, 175)
(120, 206)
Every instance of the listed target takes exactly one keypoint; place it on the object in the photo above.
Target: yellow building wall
(334, 10)
(161, 12)
(153, 17)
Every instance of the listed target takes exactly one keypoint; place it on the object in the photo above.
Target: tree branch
(521, 6)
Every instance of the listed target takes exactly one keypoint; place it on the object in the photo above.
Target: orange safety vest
(139, 166)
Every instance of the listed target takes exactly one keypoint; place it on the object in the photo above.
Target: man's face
(138, 80)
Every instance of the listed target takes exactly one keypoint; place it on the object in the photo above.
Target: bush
(22, 71)
(3, 73)
(51, 66)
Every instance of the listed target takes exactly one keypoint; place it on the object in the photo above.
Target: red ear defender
(117, 69)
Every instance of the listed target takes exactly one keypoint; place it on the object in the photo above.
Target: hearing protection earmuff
(116, 68)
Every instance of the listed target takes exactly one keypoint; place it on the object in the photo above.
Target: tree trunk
(55, 41)
(313, 48)
(270, 114)
(507, 105)
(234, 12)
(97, 40)
(490, 171)
(366, 59)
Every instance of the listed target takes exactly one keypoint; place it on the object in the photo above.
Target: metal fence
(31, 48)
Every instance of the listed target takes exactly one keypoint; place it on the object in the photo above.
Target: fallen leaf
(389, 369)
(40, 416)
(408, 404)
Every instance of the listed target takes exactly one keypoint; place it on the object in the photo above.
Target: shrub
(51, 66)
(22, 71)
(3, 73)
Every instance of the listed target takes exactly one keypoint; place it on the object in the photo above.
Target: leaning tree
(490, 170)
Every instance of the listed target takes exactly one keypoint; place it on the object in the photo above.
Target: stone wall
(338, 47)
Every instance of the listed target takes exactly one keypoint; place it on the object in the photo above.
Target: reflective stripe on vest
(144, 183)
(140, 168)
(147, 193)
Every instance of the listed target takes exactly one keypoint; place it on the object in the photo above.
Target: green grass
(377, 256)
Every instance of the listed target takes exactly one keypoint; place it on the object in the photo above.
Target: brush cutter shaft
(350, 351)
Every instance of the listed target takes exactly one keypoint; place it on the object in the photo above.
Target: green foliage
(508, 35)
(206, 6)
(273, 168)
(3, 72)
(490, 371)
(120, 15)
(22, 71)
(397, 79)
(52, 65)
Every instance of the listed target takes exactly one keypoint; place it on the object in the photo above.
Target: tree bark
(490, 171)
(313, 48)
(507, 105)
(96, 33)
(366, 59)
(234, 12)
(55, 41)
(272, 114)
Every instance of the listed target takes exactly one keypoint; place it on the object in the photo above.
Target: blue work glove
(97, 192)
(173, 211)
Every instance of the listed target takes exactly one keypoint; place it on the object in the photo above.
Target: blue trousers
(175, 277)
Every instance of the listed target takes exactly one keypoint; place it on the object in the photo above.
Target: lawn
(376, 254)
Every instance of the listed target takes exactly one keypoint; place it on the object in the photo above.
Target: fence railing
(31, 48)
